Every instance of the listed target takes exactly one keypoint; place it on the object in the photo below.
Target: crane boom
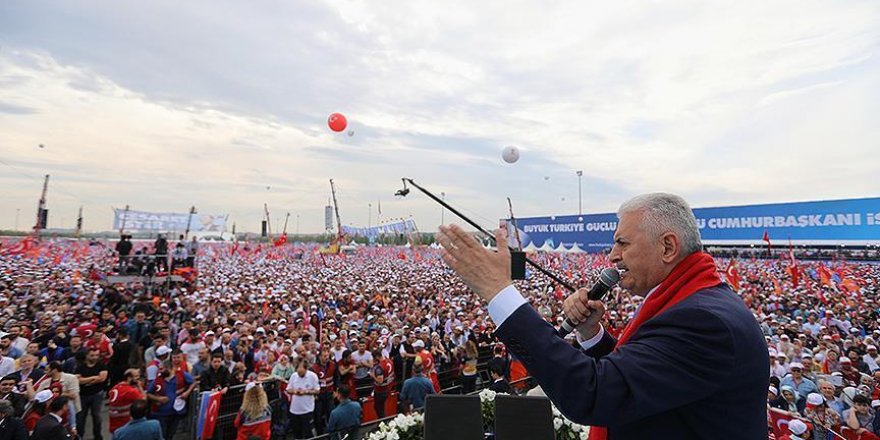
(336, 210)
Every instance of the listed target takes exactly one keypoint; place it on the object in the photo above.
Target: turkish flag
(779, 421)
(208, 413)
(795, 273)
(732, 275)
(824, 275)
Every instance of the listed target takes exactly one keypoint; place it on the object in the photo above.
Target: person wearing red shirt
(346, 369)
(102, 343)
(383, 381)
(325, 368)
(254, 420)
(425, 358)
(122, 396)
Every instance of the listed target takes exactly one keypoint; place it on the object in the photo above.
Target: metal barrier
(450, 382)
(229, 407)
(371, 426)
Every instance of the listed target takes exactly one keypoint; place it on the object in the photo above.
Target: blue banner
(831, 222)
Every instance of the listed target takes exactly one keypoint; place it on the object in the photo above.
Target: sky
(223, 105)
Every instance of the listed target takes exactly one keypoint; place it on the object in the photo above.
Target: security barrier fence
(450, 383)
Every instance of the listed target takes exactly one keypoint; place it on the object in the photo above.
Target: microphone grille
(609, 276)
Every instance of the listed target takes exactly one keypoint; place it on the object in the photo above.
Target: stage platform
(137, 279)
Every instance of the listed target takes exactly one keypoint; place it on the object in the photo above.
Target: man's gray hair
(666, 213)
(6, 409)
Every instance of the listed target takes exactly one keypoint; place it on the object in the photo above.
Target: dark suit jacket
(696, 371)
(35, 374)
(12, 428)
(500, 386)
(48, 428)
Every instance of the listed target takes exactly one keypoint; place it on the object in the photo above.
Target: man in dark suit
(49, 427)
(692, 364)
(499, 382)
(28, 373)
(11, 427)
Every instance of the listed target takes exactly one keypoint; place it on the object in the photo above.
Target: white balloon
(510, 154)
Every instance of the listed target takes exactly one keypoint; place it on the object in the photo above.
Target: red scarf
(694, 273)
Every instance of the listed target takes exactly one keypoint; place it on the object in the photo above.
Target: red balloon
(337, 122)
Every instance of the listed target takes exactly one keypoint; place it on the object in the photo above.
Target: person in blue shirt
(415, 389)
(346, 417)
(172, 383)
(797, 380)
(139, 428)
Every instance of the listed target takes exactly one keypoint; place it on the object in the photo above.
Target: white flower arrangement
(410, 427)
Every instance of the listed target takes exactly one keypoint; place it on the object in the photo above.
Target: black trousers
(324, 404)
(91, 404)
(379, 399)
(302, 425)
(468, 384)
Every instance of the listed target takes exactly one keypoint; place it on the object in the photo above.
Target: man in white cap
(777, 369)
(162, 353)
(49, 427)
(797, 430)
(822, 417)
(797, 381)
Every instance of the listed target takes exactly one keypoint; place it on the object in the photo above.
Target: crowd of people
(335, 329)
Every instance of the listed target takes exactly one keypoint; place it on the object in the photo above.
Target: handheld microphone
(607, 279)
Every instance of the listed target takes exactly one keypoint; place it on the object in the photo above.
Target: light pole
(297, 224)
(17, 211)
(580, 201)
(442, 209)
(370, 218)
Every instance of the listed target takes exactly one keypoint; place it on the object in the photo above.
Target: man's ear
(671, 247)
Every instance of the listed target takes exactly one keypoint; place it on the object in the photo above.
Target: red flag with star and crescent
(208, 413)
(732, 275)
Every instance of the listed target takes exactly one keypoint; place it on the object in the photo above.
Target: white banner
(167, 221)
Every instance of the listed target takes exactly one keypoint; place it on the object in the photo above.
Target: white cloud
(164, 105)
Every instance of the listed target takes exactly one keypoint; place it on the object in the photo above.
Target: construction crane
(337, 242)
(42, 212)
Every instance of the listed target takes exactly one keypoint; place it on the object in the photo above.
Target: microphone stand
(491, 236)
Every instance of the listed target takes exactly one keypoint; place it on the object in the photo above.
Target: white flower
(487, 395)
(393, 435)
(557, 424)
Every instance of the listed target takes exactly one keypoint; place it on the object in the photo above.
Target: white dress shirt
(509, 299)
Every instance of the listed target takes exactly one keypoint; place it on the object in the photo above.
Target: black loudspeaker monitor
(517, 265)
(264, 226)
(453, 418)
(523, 418)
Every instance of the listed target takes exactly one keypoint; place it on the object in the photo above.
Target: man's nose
(615, 255)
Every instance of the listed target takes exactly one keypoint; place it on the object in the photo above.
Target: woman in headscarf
(790, 401)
